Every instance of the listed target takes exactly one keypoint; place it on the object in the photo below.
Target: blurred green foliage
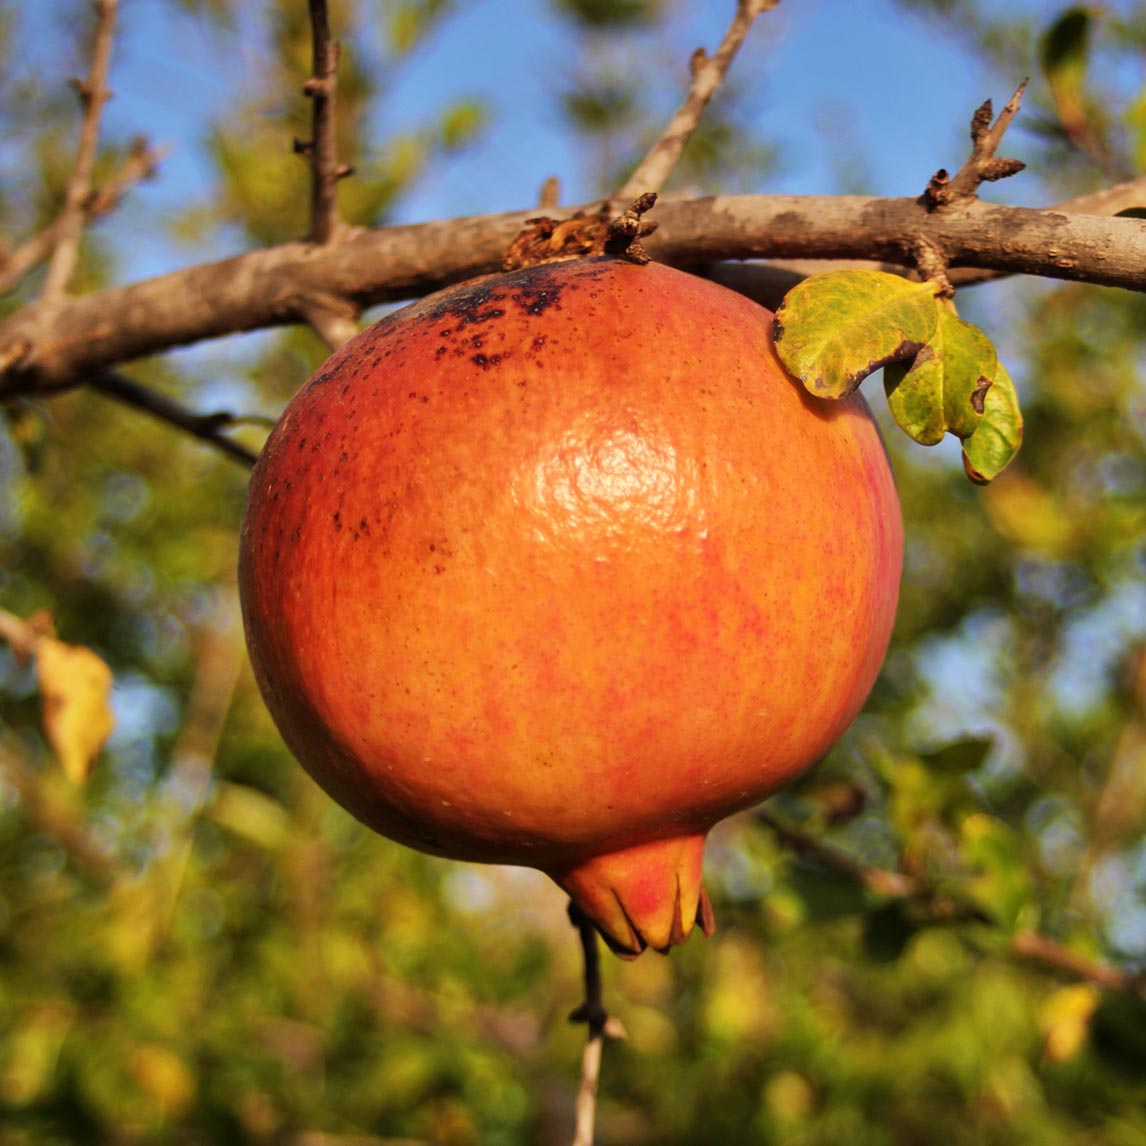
(199, 948)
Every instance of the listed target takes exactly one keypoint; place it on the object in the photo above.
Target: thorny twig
(206, 427)
(601, 1026)
(322, 149)
(93, 93)
(334, 321)
(982, 165)
(707, 74)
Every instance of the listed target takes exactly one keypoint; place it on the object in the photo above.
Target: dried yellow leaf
(75, 688)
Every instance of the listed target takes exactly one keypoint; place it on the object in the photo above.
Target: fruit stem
(592, 1012)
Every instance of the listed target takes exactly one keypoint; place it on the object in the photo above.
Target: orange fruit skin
(559, 568)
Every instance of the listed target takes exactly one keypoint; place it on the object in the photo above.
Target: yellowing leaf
(75, 687)
(163, 1076)
(989, 450)
(251, 814)
(1030, 516)
(1064, 1020)
(833, 330)
(943, 389)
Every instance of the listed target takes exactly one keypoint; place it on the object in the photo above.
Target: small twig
(889, 883)
(207, 427)
(141, 164)
(322, 150)
(628, 229)
(982, 165)
(601, 1026)
(93, 93)
(21, 636)
(707, 74)
(940, 906)
(550, 194)
(1039, 949)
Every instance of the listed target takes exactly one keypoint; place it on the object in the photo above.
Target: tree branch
(939, 905)
(322, 150)
(93, 95)
(206, 427)
(141, 164)
(707, 75)
(275, 287)
(982, 165)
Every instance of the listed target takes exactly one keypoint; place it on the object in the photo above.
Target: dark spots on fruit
(439, 568)
(344, 456)
(302, 443)
(539, 342)
(468, 306)
(538, 299)
(336, 517)
(439, 352)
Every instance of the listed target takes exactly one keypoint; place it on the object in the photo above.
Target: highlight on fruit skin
(559, 568)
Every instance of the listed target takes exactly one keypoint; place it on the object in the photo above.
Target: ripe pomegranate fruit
(559, 568)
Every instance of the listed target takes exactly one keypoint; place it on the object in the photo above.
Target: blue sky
(832, 80)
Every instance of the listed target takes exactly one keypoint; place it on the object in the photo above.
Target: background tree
(942, 926)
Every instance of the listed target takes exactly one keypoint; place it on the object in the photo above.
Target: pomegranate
(559, 568)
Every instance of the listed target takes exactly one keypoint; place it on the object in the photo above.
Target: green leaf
(944, 387)
(833, 330)
(988, 451)
(887, 931)
(1064, 59)
(826, 894)
(997, 855)
(960, 756)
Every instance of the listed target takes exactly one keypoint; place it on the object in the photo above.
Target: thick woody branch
(93, 95)
(707, 75)
(275, 287)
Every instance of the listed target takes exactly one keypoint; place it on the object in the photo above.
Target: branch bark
(283, 285)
